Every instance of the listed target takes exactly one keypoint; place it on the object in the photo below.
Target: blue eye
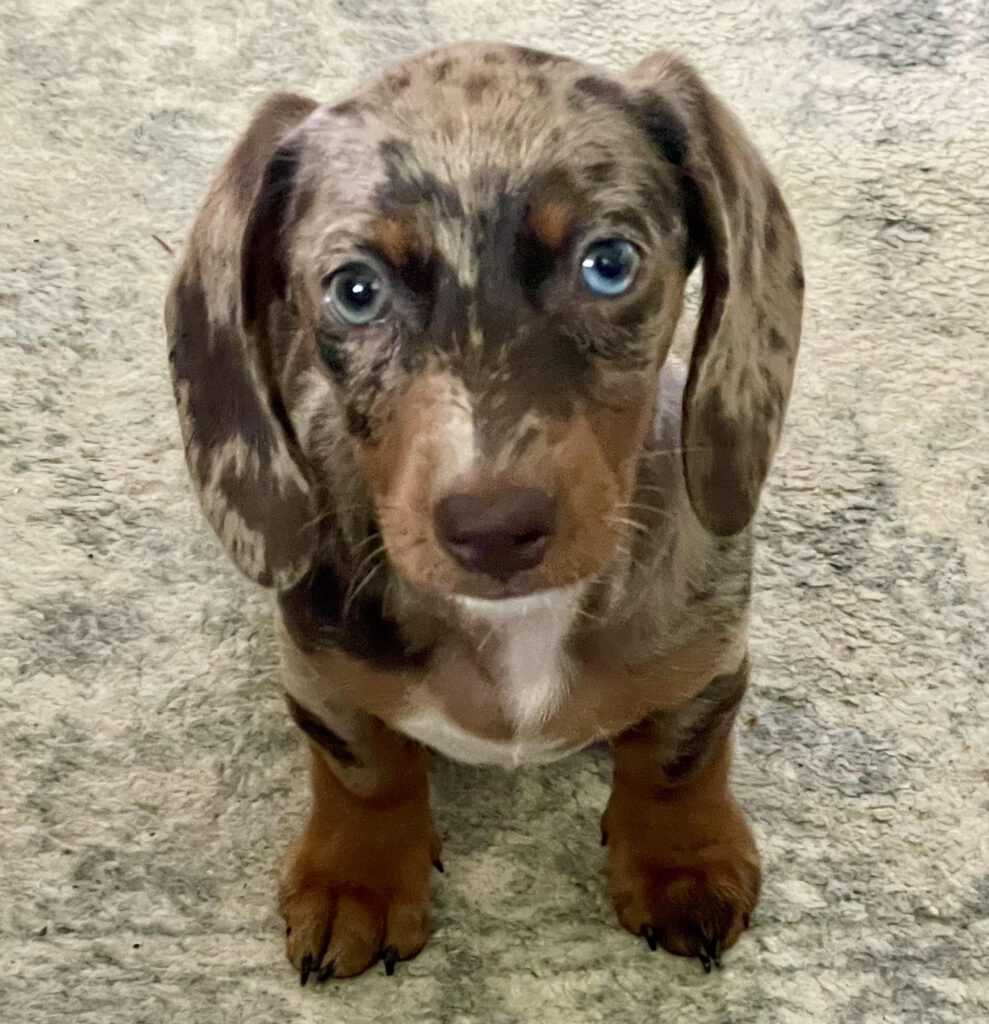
(357, 294)
(609, 265)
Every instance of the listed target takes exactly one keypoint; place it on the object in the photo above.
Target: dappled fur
(474, 175)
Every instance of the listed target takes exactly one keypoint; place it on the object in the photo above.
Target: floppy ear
(240, 449)
(741, 368)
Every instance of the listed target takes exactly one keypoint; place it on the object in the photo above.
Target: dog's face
(470, 274)
(487, 260)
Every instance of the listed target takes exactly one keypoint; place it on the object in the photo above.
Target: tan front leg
(354, 886)
(683, 866)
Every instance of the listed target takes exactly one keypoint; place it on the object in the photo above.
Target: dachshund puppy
(420, 343)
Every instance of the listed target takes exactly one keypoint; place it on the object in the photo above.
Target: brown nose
(497, 534)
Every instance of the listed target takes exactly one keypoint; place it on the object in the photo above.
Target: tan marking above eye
(550, 221)
(397, 238)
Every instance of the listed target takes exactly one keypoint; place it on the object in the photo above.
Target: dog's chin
(471, 588)
(484, 588)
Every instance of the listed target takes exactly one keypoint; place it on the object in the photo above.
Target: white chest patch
(522, 646)
(440, 732)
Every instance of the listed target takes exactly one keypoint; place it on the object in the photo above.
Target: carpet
(149, 775)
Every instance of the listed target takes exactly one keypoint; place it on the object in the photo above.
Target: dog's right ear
(243, 457)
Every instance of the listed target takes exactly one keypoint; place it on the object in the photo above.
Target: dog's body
(501, 520)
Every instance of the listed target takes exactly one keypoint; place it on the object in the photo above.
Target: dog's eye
(357, 294)
(609, 265)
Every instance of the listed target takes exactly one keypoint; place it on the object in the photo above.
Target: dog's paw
(356, 897)
(686, 882)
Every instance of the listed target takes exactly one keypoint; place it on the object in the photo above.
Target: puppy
(420, 343)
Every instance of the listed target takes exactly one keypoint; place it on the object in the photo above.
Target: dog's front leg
(683, 866)
(354, 886)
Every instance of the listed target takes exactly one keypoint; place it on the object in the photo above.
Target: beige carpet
(148, 774)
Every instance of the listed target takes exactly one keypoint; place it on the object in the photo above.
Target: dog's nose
(497, 534)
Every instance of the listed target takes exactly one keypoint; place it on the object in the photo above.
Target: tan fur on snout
(427, 442)
(426, 451)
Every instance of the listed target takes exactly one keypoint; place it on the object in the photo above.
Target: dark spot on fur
(313, 615)
(770, 238)
(797, 278)
(320, 733)
(699, 238)
(534, 264)
(776, 340)
(699, 595)
(493, 57)
(604, 89)
(603, 172)
(349, 108)
(409, 184)
(358, 422)
(263, 260)
(224, 401)
(476, 85)
(775, 207)
(535, 58)
(523, 442)
(330, 349)
(649, 112)
(441, 70)
(539, 83)
(721, 477)
(704, 723)
(664, 129)
(398, 82)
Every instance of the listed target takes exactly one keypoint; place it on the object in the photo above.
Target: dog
(420, 342)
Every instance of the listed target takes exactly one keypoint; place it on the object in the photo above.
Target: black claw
(649, 934)
(325, 973)
(306, 969)
(438, 864)
(389, 955)
(710, 954)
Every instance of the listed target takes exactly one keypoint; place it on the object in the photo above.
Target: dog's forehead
(468, 123)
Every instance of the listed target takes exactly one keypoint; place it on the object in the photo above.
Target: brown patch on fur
(397, 238)
(354, 886)
(609, 695)
(440, 71)
(683, 866)
(476, 86)
(398, 82)
(357, 684)
(551, 222)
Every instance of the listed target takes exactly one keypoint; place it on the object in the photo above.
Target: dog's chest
(489, 700)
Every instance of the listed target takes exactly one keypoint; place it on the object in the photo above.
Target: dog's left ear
(741, 368)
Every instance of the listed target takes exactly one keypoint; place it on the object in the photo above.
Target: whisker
(633, 524)
(352, 597)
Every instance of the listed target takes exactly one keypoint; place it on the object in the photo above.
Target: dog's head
(461, 284)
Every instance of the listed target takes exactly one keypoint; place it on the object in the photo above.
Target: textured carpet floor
(149, 777)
